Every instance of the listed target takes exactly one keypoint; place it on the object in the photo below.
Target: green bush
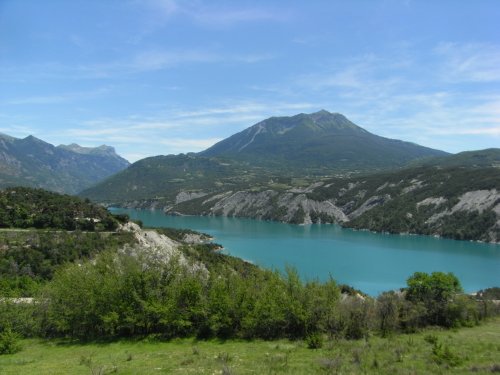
(9, 342)
(443, 354)
(314, 340)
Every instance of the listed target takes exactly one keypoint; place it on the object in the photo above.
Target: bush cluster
(119, 295)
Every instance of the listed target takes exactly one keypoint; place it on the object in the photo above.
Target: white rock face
(185, 196)
(194, 238)
(432, 201)
(370, 203)
(159, 248)
(326, 207)
(478, 200)
(239, 202)
(496, 209)
(259, 205)
(415, 184)
(218, 196)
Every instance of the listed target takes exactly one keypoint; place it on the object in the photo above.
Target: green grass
(467, 350)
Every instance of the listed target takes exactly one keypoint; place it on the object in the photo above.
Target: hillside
(175, 178)
(22, 207)
(316, 143)
(460, 203)
(478, 158)
(65, 169)
(455, 196)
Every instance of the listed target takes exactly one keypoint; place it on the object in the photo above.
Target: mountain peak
(321, 140)
(32, 138)
(100, 150)
(321, 112)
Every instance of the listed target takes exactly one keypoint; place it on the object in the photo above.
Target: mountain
(269, 154)
(479, 158)
(66, 169)
(316, 143)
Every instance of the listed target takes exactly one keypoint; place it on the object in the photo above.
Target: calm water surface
(368, 261)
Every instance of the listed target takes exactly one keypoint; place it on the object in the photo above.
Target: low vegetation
(466, 351)
(29, 258)
(120, 295)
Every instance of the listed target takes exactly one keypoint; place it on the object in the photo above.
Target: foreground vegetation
(137, 289)
(434, 351)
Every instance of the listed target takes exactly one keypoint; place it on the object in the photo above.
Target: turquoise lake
(368, 261)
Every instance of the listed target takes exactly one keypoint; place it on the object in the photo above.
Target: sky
(157, 77)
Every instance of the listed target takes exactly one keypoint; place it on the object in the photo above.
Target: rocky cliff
(460, 203)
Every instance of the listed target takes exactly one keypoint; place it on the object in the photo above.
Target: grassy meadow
(432, 351)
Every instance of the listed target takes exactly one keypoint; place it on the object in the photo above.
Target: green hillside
(162, 178)
(22, 207)
(478, 158)
(456, 202)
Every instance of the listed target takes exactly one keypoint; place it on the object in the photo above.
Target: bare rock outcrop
(158, 248)
(370, 203)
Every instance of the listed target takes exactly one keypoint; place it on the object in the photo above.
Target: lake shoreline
(371, 262)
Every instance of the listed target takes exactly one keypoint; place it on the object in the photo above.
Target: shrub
(314, 341)
(442, 354)
(9, 342)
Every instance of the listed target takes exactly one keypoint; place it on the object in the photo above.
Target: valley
(249, 187)
(410, 189)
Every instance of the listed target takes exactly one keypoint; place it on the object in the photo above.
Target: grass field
(468, 350)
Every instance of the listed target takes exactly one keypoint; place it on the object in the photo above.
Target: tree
(435, 291)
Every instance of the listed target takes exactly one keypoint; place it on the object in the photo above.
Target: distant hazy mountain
(68, 169)
(317, 142)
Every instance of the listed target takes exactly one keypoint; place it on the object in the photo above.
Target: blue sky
(157, 77)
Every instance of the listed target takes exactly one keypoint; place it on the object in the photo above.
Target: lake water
(368, 261)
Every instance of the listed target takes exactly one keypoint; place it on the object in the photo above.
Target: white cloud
(155, 60)
(227, 17)
(175, 131)
(472, 62)
(214, 16)
(398, 97)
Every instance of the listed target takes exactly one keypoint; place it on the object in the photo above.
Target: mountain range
(317, 167)
(65, 168)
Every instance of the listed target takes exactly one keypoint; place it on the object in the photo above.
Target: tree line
(120, 295)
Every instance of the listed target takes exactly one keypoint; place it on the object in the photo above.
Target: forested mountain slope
(64, 169)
